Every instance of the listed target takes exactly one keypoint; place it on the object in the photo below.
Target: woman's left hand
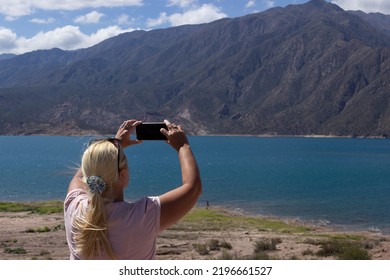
(124, 133)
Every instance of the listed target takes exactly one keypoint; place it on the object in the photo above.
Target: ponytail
(100, 172)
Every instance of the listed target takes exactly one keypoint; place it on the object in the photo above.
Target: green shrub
(40, 229)
(344, 250)
(45, 207)
(17, 251)
(353, 252)
(266, 245)
(201, 249)
(227, 256)
(214, 245)
(226, 245)
(44, 252)
(308, 252)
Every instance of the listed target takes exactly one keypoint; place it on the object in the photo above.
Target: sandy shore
(24, 235)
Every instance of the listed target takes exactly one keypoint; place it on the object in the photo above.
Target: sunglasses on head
(115, 141)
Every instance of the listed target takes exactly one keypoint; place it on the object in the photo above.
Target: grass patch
(343, 249)
(216, 245)
(58, 227)
(6, 243)
(308, 252)
(46, 228)
(225, 255)
(219, 219)
(225, 245)
(44, 253)
(38, 229)
(16, 251)
(211, 245)
(266, 244)
(262, 247)
(44, 207)
(201, 249)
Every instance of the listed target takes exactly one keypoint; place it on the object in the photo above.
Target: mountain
(300, 70)
(6, 56)
(377, 20)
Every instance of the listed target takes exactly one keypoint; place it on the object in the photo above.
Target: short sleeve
(72, 196)
(151, 214)
(74, 202)
(157, 211)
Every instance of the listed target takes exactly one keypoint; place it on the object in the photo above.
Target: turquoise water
(339, 181)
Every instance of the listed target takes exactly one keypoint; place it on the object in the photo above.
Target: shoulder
(148, 204)
(74, 197)
(140, 207)
(145, 213)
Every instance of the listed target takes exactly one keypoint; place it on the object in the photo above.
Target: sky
(28, 25)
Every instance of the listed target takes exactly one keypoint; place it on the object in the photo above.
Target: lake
(339, 181)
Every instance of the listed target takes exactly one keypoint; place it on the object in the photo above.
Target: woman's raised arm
(178, 202)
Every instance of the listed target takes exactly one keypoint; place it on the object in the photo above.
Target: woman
(100, 224)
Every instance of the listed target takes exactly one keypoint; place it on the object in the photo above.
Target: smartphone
(150, 131)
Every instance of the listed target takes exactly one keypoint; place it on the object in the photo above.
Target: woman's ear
(122, 172)
(123, 177)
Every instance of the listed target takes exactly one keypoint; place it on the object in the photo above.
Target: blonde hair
(100, 159)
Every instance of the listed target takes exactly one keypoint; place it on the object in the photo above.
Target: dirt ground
(28, 236)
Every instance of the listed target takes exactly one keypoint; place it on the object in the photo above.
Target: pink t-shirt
(132, 227)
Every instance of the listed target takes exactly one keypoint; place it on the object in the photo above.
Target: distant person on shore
(100, 224)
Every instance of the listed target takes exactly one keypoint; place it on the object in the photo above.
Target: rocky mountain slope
(299, 70)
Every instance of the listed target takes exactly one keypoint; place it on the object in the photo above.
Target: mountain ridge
(310, 69)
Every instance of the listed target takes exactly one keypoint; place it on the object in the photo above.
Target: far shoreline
(95, 133)
(312, 222)
(232, 210)
(323, 136)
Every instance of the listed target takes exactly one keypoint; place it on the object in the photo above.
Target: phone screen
(150, 131)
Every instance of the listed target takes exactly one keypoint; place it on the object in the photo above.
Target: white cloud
(198, 14)
(162, 19)
(18, 8)
(205, 13)
(368, 6)
(15, 9)
(7, 39)
(124, 19)
(43, 20)
(103, 34)
(259, 5)
(269, 4)
(67, 38)
(250, 4)
(182, 3)
(92, 17)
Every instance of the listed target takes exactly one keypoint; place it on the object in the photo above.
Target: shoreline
(312, 222)
(212, 233)
(320, 136)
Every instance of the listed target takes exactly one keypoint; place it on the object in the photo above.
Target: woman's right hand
(175, 135)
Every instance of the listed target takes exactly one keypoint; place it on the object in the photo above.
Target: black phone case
(150, 131)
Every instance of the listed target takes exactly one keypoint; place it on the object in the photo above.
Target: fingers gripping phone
(150, 131)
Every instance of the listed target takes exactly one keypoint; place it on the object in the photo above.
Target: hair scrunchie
(96, 184)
